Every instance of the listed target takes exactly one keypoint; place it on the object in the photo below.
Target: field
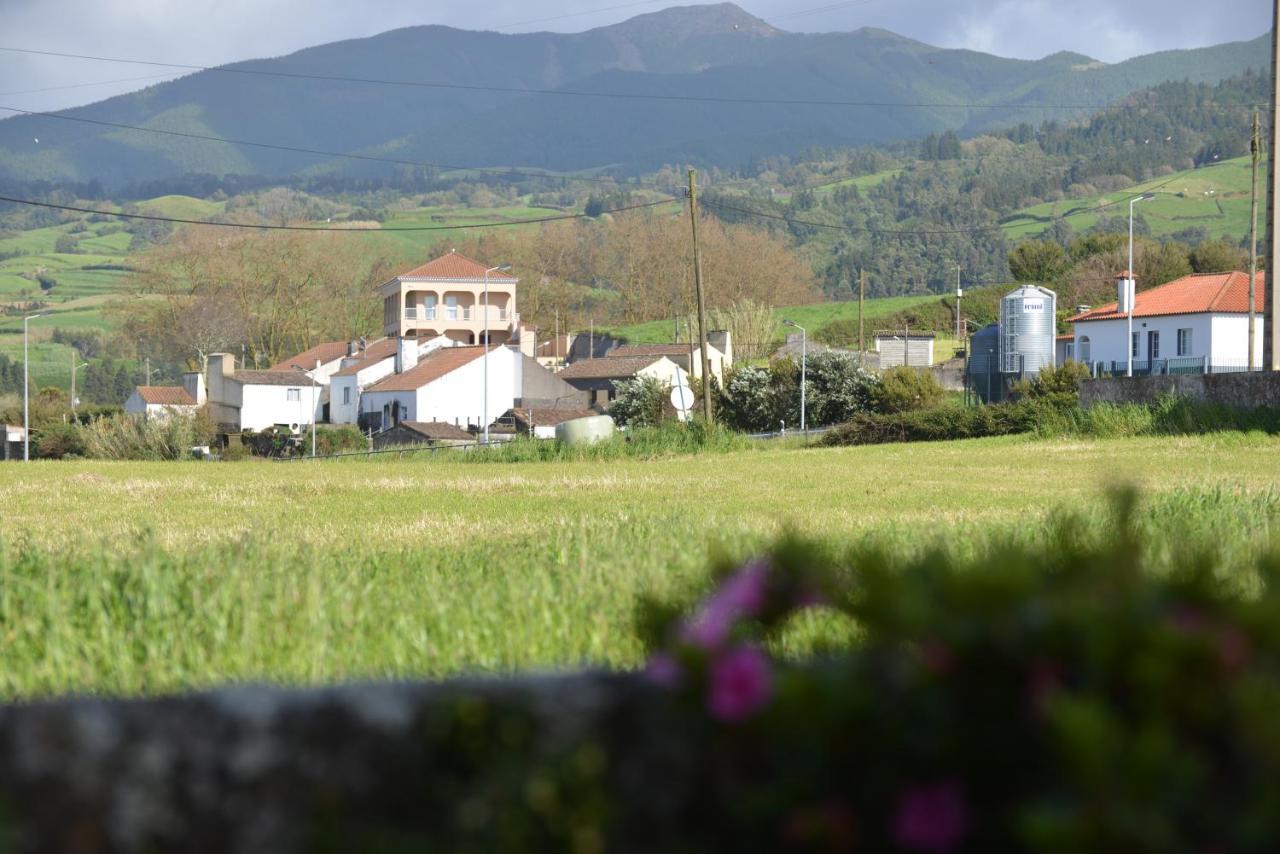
(811, 317)
(1215, 198)
(144, 578)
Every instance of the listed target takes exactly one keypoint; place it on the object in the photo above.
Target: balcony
(465, 314)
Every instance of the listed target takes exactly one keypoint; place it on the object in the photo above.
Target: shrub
(747, 400)
(127, 437)
(1061, 383)
(940, 424)
(640, 402)
(1050, 698)
(904, 389)
(334, 440)
(57, 441)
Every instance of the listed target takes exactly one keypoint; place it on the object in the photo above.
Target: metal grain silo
(1028, 326)
(985, 378)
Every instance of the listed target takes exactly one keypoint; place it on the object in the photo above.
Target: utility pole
(862, 296)
(702, 302)
(75, 358)
(1255, 146)
(959, 294)
(148, 370)
(1271, 340)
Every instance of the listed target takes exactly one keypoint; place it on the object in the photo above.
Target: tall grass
(126, 437)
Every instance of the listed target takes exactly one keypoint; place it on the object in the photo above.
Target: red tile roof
(165, 395)
(437, 430)
(1217, 293)
(432, 367)
(290, 378)
(377, 351)
(455, 266)
(329, 351)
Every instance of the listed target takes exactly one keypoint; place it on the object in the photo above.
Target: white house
(687, 356)
(256, 400)
(1193, 324)
(599, 377)
(448, 385)
(322, 361)
(161, 401)
(370, 365)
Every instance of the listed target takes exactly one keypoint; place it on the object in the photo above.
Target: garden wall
(1241, 390)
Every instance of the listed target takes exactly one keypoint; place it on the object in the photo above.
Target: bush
(640, 402)
(1050, 698)
(905, 389)
(1060, 383)
(57, 441)
(128, 437)
(334, 440)
(935, 425)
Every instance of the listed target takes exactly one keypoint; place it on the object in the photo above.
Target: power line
(635, 96)
(498, 170)
(85, 85)
(178, 220)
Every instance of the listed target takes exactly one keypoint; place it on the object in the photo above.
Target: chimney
(193, 383)
(406, 354)
(1081, 309)
(351, 348)
(220, 365)
(1126, 290)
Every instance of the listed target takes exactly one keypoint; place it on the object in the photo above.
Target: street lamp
(804, 367)
(76, 365)
(505, 268)
(26, 392)
(1131, 289)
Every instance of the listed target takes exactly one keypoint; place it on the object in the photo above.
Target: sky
(211, 32)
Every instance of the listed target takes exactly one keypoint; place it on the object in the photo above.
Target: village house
(446, 296)
(687, 356)
(1195, 324)
(256, 400)
(599, 377)
(447, 385)
(367, 367)
(322, 361)
(158, 402)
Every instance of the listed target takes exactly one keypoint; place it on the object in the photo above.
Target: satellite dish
(682, 398)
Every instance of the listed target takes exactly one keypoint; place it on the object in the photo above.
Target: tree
(1037, 261)
(1218, 256)
(640, 402)
(904, 389)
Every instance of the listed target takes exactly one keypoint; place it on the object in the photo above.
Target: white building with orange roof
(1195, 324)
(447, 296)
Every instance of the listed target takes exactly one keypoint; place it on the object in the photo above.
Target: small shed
(541, 422)
(905, 348)
(13, 439)
(422, 433)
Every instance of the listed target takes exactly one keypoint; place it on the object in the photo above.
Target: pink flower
(740, 684)
(741, 595)
(663, 671)
(931, 818)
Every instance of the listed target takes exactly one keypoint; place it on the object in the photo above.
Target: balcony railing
(1165, 367)
(459, 313)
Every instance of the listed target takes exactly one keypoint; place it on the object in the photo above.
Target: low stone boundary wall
(1241, 390)
(260, 769)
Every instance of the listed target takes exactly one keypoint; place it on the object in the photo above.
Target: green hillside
(1215, 198)
(718, 55)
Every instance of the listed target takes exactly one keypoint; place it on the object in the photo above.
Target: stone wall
(1241, 390)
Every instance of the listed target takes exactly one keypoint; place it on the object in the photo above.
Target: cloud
(207, 32)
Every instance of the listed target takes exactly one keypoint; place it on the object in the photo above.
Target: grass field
(144, 578)
(1213, 197)
(812, 317)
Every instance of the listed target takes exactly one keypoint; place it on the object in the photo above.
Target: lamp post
(1131, 289)
(485, 356)
(26, 393)
(76, 364)
(804, 369)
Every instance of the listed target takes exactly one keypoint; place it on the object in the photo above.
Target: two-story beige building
(447, 297)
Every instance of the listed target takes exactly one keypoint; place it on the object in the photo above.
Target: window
(1153, 345)
(346, 394)
(1133, 348)
(1069, 352)
(1085, 349)
(293, 394)
(1184, 342)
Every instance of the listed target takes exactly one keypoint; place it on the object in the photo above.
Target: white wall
(457, 397)
(1221, 337)
(1231, 339)
(264, 406)
(666, 371)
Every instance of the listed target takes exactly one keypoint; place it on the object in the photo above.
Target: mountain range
(688, 70)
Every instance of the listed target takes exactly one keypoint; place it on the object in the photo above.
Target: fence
(1171, 367)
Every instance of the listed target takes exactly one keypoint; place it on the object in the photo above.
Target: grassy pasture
(1214, 197)
(145, 578)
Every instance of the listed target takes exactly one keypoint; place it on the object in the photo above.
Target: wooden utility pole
(702, 301)
(1255, 148)
(862, 297)
(75, 357)
(1271, 340)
